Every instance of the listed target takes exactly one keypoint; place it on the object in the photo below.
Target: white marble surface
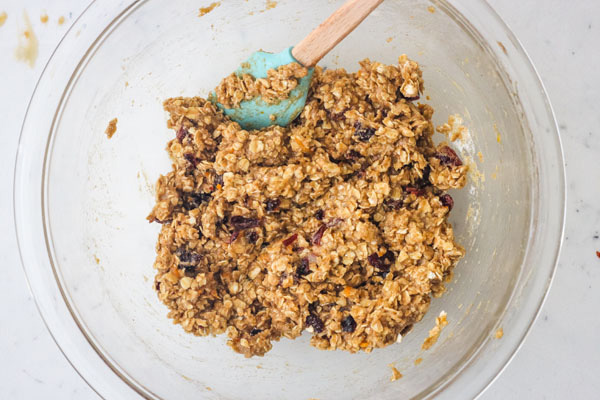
(560, 358)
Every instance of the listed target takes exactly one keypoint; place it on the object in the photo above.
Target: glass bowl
(81, 200)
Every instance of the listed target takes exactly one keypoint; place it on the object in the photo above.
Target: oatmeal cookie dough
(336, 224)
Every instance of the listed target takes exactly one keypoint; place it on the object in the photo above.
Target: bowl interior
(97, 193)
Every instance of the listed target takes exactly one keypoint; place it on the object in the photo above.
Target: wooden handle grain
(335, 28)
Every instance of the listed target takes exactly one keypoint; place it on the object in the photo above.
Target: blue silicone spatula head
(255, 113)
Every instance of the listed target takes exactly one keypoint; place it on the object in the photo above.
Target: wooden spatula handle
(327, 35)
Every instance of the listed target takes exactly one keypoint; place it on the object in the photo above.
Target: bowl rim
(18, 210)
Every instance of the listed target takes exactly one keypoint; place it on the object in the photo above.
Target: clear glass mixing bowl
(81, 200)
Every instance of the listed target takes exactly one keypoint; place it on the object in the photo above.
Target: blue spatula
(256, 113)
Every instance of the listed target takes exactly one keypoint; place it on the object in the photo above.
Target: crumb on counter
(389, 39)
(434, 333)
(480, 156)
(205, 10)
(431, 9)
(499, 333)
(395, 373)
(61, 20)
(271, 4)
(418, 361)
(44, 18)
(3, 17)
(111, 128)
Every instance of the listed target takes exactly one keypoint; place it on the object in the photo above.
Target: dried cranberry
(383, 263)
(251, 237)
(188, 261)
(181, 133)
(375, 261)
(316, 238)
(448, 156)
(240, 223)
(255, 331)
(190, 271)
(320, 214)
(348, 324)
(194, 200)
(187, 257)
(388, 258)
(303, 268)
(233, 236)
(353, 155)
(394, 204)
(316, 323)
(363, 133)
(191, 159)
(272, 204)
(426, 173)
(424, 181)
(415, 191)
(290, 240)
(157, 285)
(447, 201)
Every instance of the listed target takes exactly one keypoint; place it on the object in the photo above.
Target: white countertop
(560, 358)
